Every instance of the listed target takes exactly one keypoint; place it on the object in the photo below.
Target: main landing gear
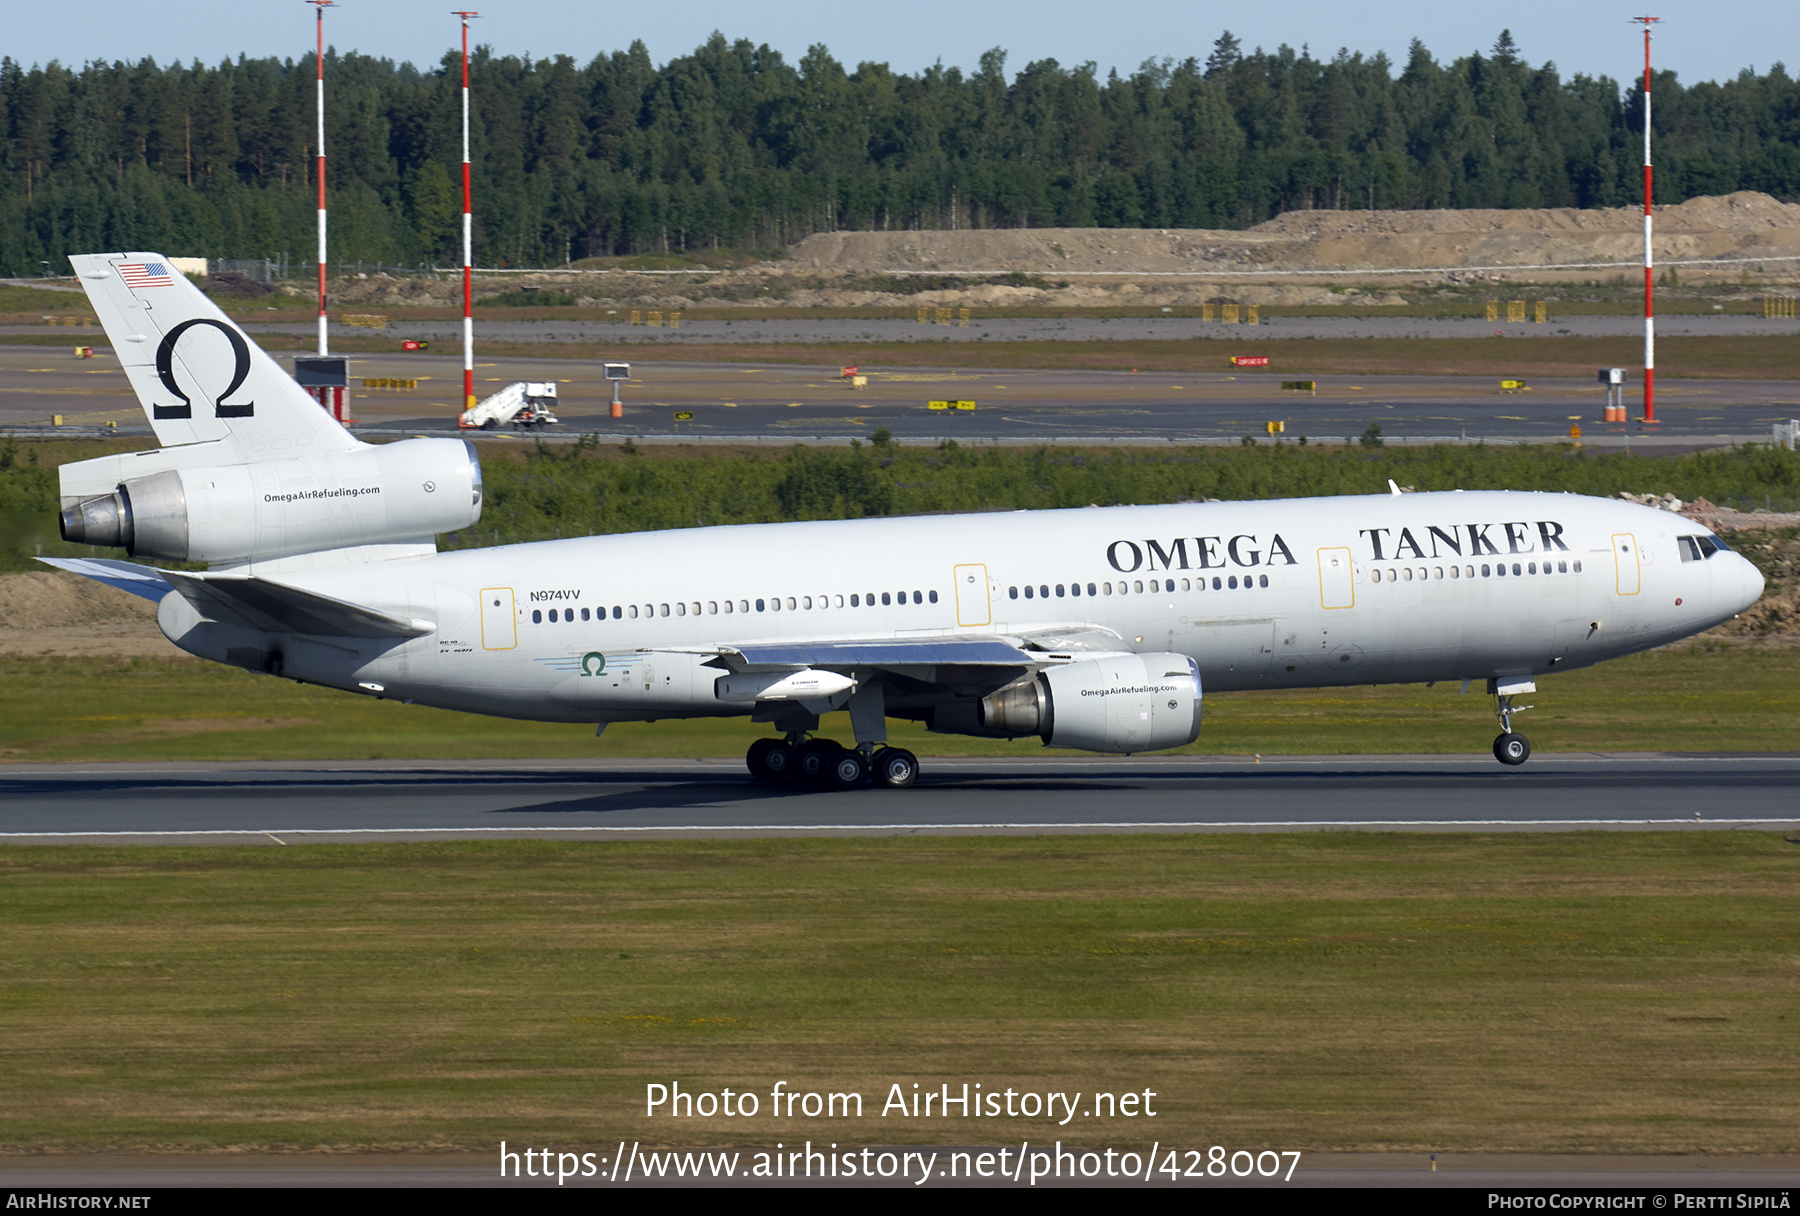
(1509, 747)
(825, 763)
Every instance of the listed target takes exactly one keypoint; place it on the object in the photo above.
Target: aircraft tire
(895, 768)
(757, 760)
(813, 760)
(1512, 749)
(777, 762)
(847, 770)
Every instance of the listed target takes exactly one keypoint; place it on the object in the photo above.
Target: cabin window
(618, 612)
(728, 607)
(584, 614)
(1262, 580)
(869, 599)
(1375, 576)
(1137, 587)
(1218, 583)
(1456, 572)
(840, 601)
(884, 599)
(917, 598)
(1030, 592)
(759, 605)
(1012, 593)
(1059, 591)
(1515, 569)
(634, 612)
(806, 601)
(1562, 567)
(856, 601)
(1578, 567)
(681, 609)
(1074, 588)
(665, 610)
(931, 597)
(1232, 582)
(537, 616)
(774, 604)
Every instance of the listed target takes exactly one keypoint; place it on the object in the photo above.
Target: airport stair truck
(525, 403)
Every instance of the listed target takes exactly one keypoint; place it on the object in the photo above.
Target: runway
(280, 804)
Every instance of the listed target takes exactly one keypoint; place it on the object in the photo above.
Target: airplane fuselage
(1274, 594)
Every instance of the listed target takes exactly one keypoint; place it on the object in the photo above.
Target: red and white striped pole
(320, 6)
(1649, 262)
(468, 243)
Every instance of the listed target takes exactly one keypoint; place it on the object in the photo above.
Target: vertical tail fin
(199, 377)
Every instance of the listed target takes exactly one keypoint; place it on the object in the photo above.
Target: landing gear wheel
(895, 767)
(847, 770)
(769, 760)
(1511, 748)
(813, 760)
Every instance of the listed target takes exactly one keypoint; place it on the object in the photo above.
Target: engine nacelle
(1119, 703)
(407, 491)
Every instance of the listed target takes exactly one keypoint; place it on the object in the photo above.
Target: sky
(1591, 37)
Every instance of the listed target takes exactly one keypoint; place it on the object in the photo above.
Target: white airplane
(1094, 629)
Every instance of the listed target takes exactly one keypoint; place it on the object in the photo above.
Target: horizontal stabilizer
(126, 576)
(260, 603)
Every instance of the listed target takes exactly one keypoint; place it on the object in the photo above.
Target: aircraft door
(1337, 588)
(499, 619)
(972, 604)
(1625, 562)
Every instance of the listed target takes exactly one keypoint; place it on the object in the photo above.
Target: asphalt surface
(784, 403)
(623, 799)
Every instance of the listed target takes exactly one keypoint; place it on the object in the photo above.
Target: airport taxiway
(244, 803)
(787, 403)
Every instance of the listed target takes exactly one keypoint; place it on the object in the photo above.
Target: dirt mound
(1742, 225)
(55, 599)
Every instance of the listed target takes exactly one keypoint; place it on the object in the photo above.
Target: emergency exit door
(972, 604)
(1625, 562)
(499, 619)
(1337, 589)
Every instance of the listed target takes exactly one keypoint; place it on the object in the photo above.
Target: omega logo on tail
(165, 370)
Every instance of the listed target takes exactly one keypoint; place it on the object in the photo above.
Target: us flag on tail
(145, 274)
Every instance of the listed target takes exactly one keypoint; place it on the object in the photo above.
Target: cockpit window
(1699, 548)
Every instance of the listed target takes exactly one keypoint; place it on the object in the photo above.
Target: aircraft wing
(880, 652)
(254, 603)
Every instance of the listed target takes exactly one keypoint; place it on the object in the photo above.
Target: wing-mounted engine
(195, 512)
(1120, 703)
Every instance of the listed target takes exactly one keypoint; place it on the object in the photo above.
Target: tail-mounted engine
(407, 491)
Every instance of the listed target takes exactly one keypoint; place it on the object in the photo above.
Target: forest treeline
(733, 146)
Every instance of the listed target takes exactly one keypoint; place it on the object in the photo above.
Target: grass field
(1711, 696)
(1596, 992)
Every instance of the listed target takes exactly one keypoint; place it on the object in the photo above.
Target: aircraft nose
(1752, 588)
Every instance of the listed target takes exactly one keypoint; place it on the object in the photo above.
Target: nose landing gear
(1510, 747)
